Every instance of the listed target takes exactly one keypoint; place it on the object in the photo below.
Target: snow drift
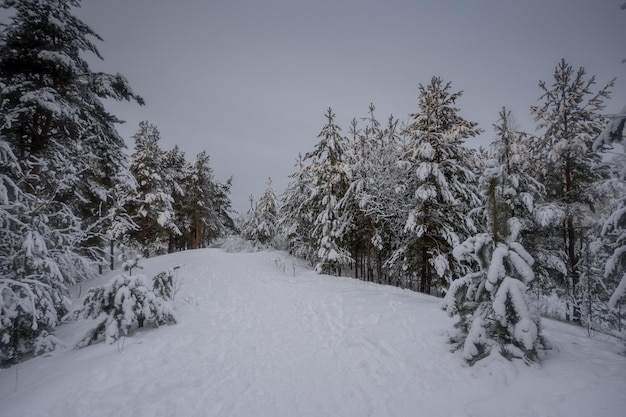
(260, 335)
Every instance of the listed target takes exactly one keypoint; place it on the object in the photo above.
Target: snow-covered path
(255, 340)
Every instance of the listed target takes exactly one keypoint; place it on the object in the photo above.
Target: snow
(496, 270)
(619, 293)
(255, 340)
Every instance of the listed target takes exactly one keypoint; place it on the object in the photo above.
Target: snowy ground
(260, 337)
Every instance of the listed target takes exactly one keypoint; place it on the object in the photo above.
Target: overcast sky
(249, 81)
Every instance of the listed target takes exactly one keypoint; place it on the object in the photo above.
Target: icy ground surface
(255, 340)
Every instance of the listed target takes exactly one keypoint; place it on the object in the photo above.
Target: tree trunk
(425, 273)
(112, 254)
(573, 267)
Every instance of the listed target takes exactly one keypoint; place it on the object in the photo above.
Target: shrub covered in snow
(491, 303)
(125, 301)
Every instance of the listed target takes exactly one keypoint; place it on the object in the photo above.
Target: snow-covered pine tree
(370, 200)
(440, 187)
(614, 227)
(152, 206)
(175, 171)
(59, 128)
(521, 192)
(491, 301)
(296, 217)
(125, 301)
(248, 223)
(525, 200)
(67, 155)
(119, 222)
(38, 259)
(329, 173)
(359, 155)
(569, 118)
(199, 207)
(207, 207)
(222, 222)
(267, 215)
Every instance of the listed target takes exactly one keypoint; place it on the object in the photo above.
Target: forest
(533, 226)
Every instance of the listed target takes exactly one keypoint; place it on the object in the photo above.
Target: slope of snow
(259, 335)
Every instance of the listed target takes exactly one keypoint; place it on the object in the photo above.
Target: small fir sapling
(127, 300)
(491, 301)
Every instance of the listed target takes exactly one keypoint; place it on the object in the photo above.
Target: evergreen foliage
(329, 170)
(491, 300)
(261, 221)
(152, 206)
(61, 157)
(296, 218)
(206, 205)
(614, 227)
(440, 187)
(125, 301)
(177, 205)
(570, 119)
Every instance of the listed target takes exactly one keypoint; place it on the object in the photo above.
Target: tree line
(410, 204)
(538, 215)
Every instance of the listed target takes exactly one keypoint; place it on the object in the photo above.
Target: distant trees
(177, 205)
(391, 203)
(261, 222)
(152, 205)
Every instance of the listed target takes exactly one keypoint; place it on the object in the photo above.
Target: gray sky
(249, 81)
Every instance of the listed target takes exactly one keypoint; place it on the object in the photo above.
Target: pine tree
(614, 227)
(125, 301)
(67, 154)
(266, 214)
(119, 222)
(491, 301)
(175, 172)
(53, 101)
(440, 187)
(525, 199)
(370, 200)
(152, 206)
(199, 205)
(249, 223)
(296, 216)
(329, 174)
(570, 119)
(207, 206)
